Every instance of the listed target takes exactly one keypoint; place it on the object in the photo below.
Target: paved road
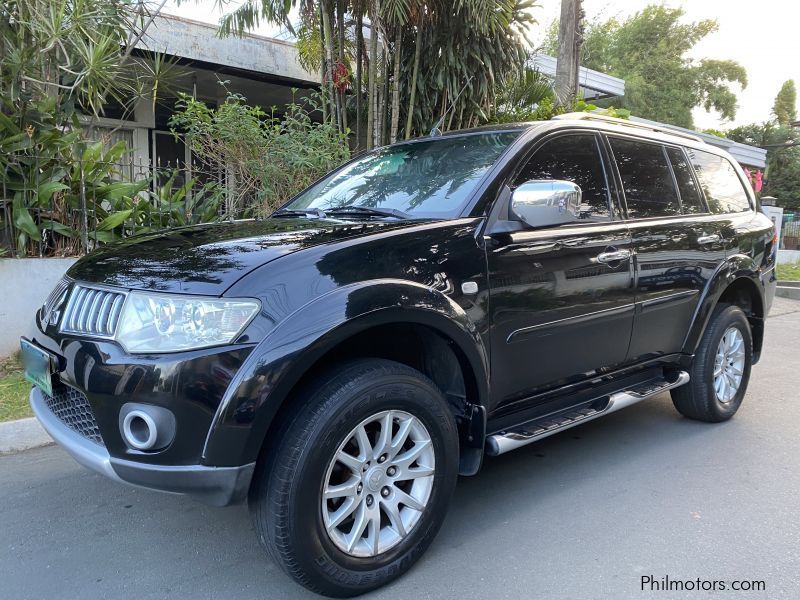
(582, 515)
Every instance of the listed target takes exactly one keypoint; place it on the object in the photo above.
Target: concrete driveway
(584, 514)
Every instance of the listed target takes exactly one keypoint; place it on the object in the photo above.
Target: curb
(787, 291)
(23, 434)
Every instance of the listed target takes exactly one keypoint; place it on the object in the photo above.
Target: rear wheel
(720, 370)
(356, 486)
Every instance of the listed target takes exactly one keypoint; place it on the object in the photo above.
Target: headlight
(169, 323)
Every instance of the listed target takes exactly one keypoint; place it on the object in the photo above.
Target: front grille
(92, 311)
(73, 409)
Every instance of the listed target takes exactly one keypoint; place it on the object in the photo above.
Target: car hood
(208, 259)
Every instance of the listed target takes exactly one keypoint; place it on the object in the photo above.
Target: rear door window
(691, 199)
(646, 179)
(723, 188)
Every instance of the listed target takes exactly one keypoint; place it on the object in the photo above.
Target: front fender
(735, 267)
(283, 358)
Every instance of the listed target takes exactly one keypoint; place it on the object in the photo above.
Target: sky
(761, 35)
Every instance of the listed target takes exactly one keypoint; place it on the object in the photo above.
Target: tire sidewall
(313, 547)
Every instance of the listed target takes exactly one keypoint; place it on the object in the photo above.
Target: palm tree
(472, 44)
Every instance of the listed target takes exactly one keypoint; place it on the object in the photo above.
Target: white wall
(25, 284)
(788, 256)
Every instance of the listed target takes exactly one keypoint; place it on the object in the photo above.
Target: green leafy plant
(63, 62)
(266, 157)
(63, 194)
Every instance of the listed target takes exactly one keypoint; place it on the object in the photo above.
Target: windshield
(429, 178)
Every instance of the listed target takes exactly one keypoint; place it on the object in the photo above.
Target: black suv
(425, 305)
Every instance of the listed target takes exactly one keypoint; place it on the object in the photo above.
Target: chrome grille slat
(75, 302)
(93, 311)
(102, 314)
(84, 312)
(113, 317)
(91, 317)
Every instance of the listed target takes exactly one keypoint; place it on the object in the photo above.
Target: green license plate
(38, 366)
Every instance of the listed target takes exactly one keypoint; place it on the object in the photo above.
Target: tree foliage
(785, 107)
(783, 158)
(649, 50)
(469, 46)
(62, 63)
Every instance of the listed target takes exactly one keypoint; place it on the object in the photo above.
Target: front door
(561, 298)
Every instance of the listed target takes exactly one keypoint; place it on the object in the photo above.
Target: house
(264, 70)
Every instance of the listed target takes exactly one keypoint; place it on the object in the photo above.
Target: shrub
(263, 158)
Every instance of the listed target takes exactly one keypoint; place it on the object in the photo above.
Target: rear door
(561, 311)
(678, 244)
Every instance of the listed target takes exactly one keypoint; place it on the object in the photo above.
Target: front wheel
(356, 486)
(720, 370)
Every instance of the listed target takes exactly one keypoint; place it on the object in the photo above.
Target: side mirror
(546, 202)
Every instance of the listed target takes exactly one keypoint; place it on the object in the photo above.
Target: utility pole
(570, 38)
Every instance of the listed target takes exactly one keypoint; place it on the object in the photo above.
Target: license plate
(38, 366)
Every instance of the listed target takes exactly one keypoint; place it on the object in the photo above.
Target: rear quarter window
(723, 188)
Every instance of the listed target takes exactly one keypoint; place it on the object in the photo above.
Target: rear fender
(735, 267)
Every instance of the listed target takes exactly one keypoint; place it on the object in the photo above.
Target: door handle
(613, 256)
(708, 239)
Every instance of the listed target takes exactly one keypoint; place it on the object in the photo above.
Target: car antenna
(435, 131)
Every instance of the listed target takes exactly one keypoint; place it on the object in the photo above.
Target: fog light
(146, 427)
(140, 430)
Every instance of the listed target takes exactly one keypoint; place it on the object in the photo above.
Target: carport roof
(198, 42)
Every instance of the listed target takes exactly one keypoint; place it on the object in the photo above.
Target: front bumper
(217, 486)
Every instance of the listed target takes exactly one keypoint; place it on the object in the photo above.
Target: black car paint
(321, 281)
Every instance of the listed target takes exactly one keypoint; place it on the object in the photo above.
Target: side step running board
(536, 430)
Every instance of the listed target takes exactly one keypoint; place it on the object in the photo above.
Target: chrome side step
(536, 430)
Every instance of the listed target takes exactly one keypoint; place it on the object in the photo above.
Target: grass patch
(789, 272)
(14, 391)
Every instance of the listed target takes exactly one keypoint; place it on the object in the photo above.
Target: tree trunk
(569, 42)
(340, 5)
(384, 104)
(398, 51)
(324, 63)
(358, 87)
(414, 73)
(372, 84)
(327, 41)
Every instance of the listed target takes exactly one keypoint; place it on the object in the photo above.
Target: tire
(699, 399)
(286, 498)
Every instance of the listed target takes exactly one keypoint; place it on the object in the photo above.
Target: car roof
(602, 123)
(599, 122)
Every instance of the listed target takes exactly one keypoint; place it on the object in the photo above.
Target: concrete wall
(25, 284)
(788, 256)
(199, 41)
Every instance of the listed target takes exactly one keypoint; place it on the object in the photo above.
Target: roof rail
(586, 116)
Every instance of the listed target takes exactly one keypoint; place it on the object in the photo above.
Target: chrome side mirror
(546, 202)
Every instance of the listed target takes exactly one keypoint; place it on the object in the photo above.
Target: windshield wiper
(302, 212)
(368, 211)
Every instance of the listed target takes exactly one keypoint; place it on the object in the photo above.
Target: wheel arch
(738, 284)
(348, 323)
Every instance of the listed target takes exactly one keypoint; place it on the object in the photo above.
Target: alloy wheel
(378, 483)
(729, 365)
